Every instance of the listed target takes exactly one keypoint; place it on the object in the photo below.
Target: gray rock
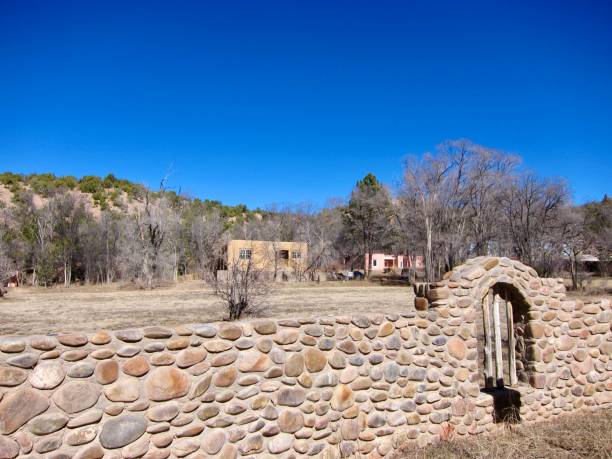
(28, 360)
(81, 370)
(291, 397)
(132, 335)
(123, 430)
(48, 423)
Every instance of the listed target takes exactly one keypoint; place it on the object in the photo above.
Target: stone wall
(327, 387)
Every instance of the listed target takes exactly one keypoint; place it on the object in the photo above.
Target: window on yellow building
(245, 254)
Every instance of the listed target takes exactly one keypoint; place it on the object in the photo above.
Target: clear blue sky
(261, 102)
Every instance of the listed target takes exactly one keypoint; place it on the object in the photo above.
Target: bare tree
(488, 173)
(242, 288)
(7, 266)
(576, 240)
(432, 193)
(208, 236)
(532, 206)
(598, 219)
(68, 214)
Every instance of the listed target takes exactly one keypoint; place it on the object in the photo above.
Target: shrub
(90, 184)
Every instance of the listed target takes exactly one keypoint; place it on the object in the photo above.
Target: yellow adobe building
(268, 255)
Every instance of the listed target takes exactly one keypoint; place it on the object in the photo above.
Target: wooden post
(511, 344)
(499, 370)
(486, 314)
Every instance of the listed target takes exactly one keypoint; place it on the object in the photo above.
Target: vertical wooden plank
(511, 344)
(486, 314)
(499, 369)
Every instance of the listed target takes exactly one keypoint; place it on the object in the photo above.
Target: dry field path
(27, 311)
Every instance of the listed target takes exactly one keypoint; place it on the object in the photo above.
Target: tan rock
(107, 372)
(12, 345)
(230, 331)
(213, 440)
(217, 345)
(253, 361)
(101, 337)
(137, 449)
(102, 354)
(9, 448)
(201, 386)
(10, 377)
(167, 383)
(43, 343)
(224, 359)
(136, 366)
(342, 398)
(280, 443)
(19, 407)
(457, 348)
(76, 396)
(124, 390)
(348, 347)
(386, 329)
(290, 421)
(163, 412)
(162, 359)
(565, 343)
(177, 343)
(315, 360)
(225, 377)
(93, 451)
(228, 452)
(535, 329)
(285, 337)
(265, 327)
(81, 436)
(156, 332)
(294, 366)
(191, 356)
(73, 339)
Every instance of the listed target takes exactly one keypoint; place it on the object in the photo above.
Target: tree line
(459, 201)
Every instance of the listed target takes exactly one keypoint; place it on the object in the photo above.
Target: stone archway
(519, 291)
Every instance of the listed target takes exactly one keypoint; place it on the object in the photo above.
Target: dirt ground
(27, 311)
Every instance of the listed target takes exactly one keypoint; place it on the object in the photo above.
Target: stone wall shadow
(506, 404)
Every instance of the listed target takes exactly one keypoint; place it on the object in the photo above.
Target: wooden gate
(498, 299)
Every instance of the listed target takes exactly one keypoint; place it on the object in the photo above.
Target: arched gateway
(506, 307)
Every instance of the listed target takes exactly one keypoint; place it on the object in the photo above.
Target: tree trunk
(574, 270)
(428, 253)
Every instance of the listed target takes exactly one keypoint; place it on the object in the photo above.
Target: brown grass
(583, 435)
(28, 311)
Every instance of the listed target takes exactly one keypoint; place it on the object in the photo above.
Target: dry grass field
(571, 436)
(27, 311)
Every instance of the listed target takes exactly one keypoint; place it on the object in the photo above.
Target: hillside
(99, 193)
